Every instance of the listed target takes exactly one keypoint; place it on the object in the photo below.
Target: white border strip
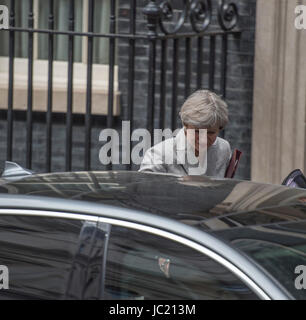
(46, 213)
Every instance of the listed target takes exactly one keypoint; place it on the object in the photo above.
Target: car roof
(204, 202)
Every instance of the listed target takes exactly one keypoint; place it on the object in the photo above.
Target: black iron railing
(195, 14)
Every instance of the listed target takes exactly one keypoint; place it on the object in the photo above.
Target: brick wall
(240, 86)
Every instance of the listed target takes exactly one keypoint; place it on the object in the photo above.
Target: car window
(144, 266)
(279, 260)
(279, 249)
(44, 255)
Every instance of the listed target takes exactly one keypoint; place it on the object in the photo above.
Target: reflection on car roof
(212, 204)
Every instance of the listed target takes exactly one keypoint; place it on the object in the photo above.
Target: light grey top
(218, 156)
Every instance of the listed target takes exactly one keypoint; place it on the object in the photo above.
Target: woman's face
(212, 134)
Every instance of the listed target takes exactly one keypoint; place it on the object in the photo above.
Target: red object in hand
(233, 164)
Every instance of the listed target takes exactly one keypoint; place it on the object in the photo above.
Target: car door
(144, 266)
(50, 255)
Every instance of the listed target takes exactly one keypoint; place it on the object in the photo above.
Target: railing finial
(228, 15)
(153, 12)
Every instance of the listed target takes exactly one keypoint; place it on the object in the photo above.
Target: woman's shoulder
(223, 145)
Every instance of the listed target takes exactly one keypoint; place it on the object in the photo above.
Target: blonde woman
(202, 110)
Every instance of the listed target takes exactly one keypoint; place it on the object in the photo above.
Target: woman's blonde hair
(204, 109)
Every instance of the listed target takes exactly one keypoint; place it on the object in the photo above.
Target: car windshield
(281, 261)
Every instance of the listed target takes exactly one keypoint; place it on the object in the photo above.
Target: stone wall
(279, 134)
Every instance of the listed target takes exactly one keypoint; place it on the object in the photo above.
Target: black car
(132, 235)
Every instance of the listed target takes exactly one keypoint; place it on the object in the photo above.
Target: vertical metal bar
(151, 86)
(152, 11)
(200, 62)
(187, 67)
(223, 71)
(112, 44)
(223, 65)
(9, 146)
(70, 88)
(212, 62)
(163, 84)
(174, 83)
(50, 88)
(30, 89)
(131, 72)
(89, 86)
